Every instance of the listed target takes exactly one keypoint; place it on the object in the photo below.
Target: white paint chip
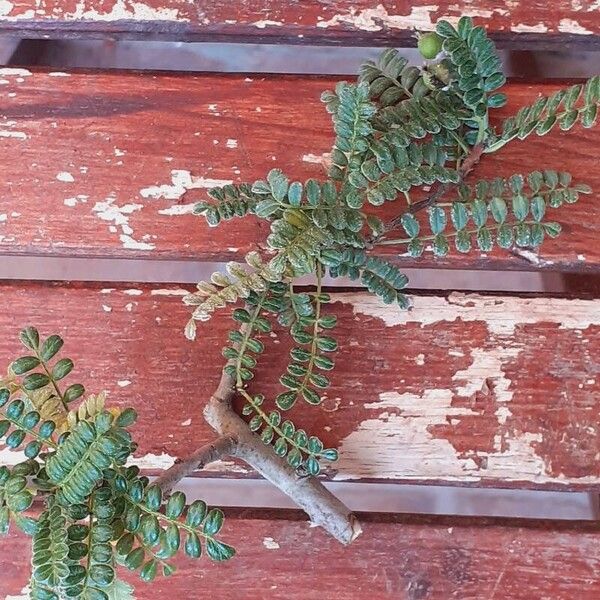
(118, 216)
(72, 202)
(124, 9)
(152, 461)
(181, 181)
(65, 177)
(270, 544)
(318, 159)
(375, 19)
(526, 28)
(501, 314)
(572, 26)
(266, 23)
(169, 292)
(18, 135)
(24, 595)
(123, 383)
(14, 72)
(177, 210)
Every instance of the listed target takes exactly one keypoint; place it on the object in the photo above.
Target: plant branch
(238, 441)
(439, 190)
(308, 493)
(206, 454)
(453, 234)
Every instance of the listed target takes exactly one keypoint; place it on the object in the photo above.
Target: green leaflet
(50, 552)
(506, 212)
(23, 427)
(155, 529)
(391, 79)
(402, 180)
(385, 280)
(229, 201)
(41, 373)
(476, 67)
(304, 376)
(79, 461)
(119, 590)
(302, 452)
(245, 345)
(380, 277)
(98, 512)
(99, 577)
(564, 108)
(224, 289)
(299, 240)
(15, 495)
(415, 118)
(351, 113)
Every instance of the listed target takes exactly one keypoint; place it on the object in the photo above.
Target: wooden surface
(405, 558)
(350, 22)
(464, 389)
(111, 156)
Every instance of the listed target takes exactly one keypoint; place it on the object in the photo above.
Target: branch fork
(236, 440)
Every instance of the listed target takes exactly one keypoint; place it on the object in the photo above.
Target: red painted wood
(472, 390)
(349, 22)
(96, 149)
(405, 558)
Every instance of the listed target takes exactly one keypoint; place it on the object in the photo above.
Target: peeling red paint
(140, 340)
(119, 134)
(400, 558)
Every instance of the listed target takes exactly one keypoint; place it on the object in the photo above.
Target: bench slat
(405, 558)
(111, 155)
(496, 391)
(350, 22)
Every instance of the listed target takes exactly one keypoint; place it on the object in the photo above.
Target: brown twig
(206, 454)
(308, 493)
(439, 190)
(237, 440)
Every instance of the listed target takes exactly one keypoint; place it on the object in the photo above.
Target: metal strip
(190, 272)
(269, 58)
(414, 499)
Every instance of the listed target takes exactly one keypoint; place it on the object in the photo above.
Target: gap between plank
(272, 58)
(190, 272)
(406, 498)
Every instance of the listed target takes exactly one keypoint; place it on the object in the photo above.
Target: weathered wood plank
(464, 389)
(351, 22)
(405, 558)
(111, 156)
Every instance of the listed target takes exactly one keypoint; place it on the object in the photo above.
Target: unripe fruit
(430, 45)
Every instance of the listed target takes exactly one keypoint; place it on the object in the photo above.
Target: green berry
(430, 45)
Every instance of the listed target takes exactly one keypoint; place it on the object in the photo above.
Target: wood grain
(403, 558)
(350, 22)
(496, 391)
(111, 156)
